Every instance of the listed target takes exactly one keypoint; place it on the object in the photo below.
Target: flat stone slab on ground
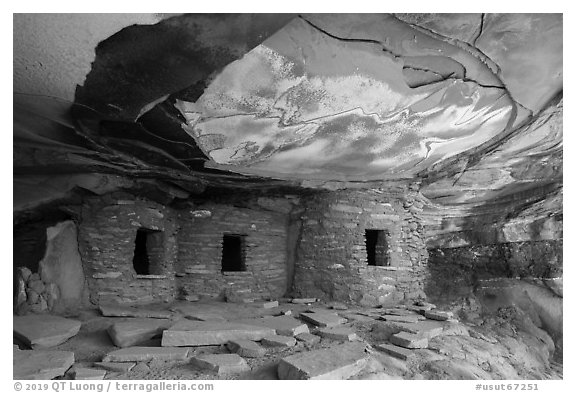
(40, 364)
(137, 330)
(44, 331)
(422, 303)
(308, 338)
(400, 318)
(399, 312)
(396, 351)
(322, 319)
(339, 362)
(428, 329)
(353, 316)
(221, 363)
(246, 348)
(284, 325)
(278, 341)
(340, 333)
(305, 300)
(271, 304)
(143, 354)
(419, 309)
(197, 333)
(87, 373)
(409, 340)
(113, 310)
(438, 315)
(116, 367)
(204, 316)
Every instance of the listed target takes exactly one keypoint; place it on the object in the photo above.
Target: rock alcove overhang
(333, 101)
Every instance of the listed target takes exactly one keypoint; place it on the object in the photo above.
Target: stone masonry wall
(106, 238)
(331, 256)
(199, 267)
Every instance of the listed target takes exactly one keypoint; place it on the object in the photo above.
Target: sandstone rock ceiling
(468, 104)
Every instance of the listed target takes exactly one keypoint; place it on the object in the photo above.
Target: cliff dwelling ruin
(278, 196)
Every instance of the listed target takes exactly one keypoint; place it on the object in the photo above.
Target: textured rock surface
(62, 265)
(41, 364)
(339, 362)
(44, 331)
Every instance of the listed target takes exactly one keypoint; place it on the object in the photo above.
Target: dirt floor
(501, 346)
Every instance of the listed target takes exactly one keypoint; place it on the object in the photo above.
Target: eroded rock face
(62, 265)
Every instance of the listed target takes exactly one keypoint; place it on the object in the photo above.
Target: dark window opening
(377, 247)
(148, 252)
(233, 253)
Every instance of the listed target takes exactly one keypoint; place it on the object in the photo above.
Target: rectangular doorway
(377, 248)
(148, 252)
(233, 253)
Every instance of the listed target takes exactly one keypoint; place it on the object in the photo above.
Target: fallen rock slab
(204, 316)
(272, 304)
(322, 319)
(438, 315)
(339, 333)
(41, 364)
(401, 318)
(339, 362)
(136, 331)
(134, 312)
(399, 312)
(305, 300)
(409, 340)
(222, 364)
(284, 325)
(142, 354)
(197, 333)
(44, 331)
(116, 367)
(308, 338)
(428, 329)
(279, 341)
(396, 351)
(419, 309)
(86, 373)
(246, 348)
